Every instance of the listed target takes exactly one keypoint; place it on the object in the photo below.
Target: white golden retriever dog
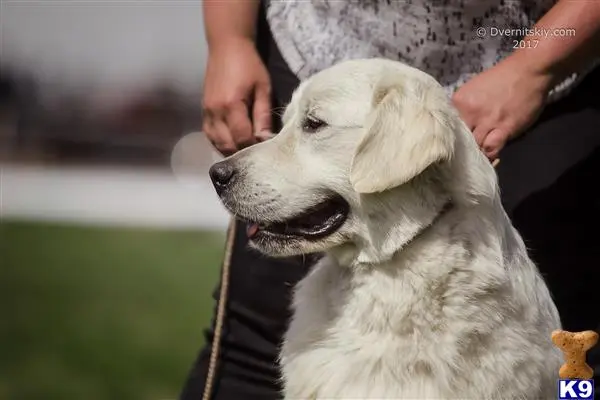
(426, 290)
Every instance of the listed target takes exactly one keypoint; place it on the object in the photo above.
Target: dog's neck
(385, 244)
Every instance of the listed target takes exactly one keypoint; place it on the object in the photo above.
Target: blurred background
(110, 244)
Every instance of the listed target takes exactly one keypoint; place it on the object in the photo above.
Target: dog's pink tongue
(251, 229)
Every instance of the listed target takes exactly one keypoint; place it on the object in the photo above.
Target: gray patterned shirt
(450, 39)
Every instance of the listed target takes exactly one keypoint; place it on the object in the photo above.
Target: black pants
(548, 180)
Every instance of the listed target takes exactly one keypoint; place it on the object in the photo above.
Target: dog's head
(369, 154)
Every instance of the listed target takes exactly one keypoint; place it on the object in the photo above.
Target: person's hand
(236, 85)
(500, 103)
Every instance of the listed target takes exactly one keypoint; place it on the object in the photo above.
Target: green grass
(102, 313)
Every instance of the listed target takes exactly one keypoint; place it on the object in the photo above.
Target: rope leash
(220, 317)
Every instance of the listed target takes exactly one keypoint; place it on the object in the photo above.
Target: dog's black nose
(221, 174)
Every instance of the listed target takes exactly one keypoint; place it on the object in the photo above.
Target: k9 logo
(575, 389)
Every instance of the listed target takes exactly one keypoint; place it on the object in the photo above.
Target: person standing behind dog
(528, 95)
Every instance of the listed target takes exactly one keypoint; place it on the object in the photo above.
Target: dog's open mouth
(319, 221)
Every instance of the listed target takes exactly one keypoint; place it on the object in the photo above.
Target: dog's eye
(312, 124)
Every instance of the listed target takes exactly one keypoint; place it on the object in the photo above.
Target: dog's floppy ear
(408, 130)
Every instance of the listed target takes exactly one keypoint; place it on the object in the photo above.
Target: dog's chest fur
(436, 322)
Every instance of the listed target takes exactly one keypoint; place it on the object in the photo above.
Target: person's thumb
(261, 113)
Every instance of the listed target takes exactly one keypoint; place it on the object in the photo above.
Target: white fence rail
(118, 197)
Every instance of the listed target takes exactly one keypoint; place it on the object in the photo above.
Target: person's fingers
(493, 143)
(480, 132)
(225, 145)
(217, 132)
(239, 125)
(261, 112)
(208, 127)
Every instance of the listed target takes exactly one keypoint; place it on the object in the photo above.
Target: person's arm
(569, 40)
(236, 81)
(224, 20)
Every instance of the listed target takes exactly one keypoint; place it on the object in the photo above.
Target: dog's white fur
(409, 302)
